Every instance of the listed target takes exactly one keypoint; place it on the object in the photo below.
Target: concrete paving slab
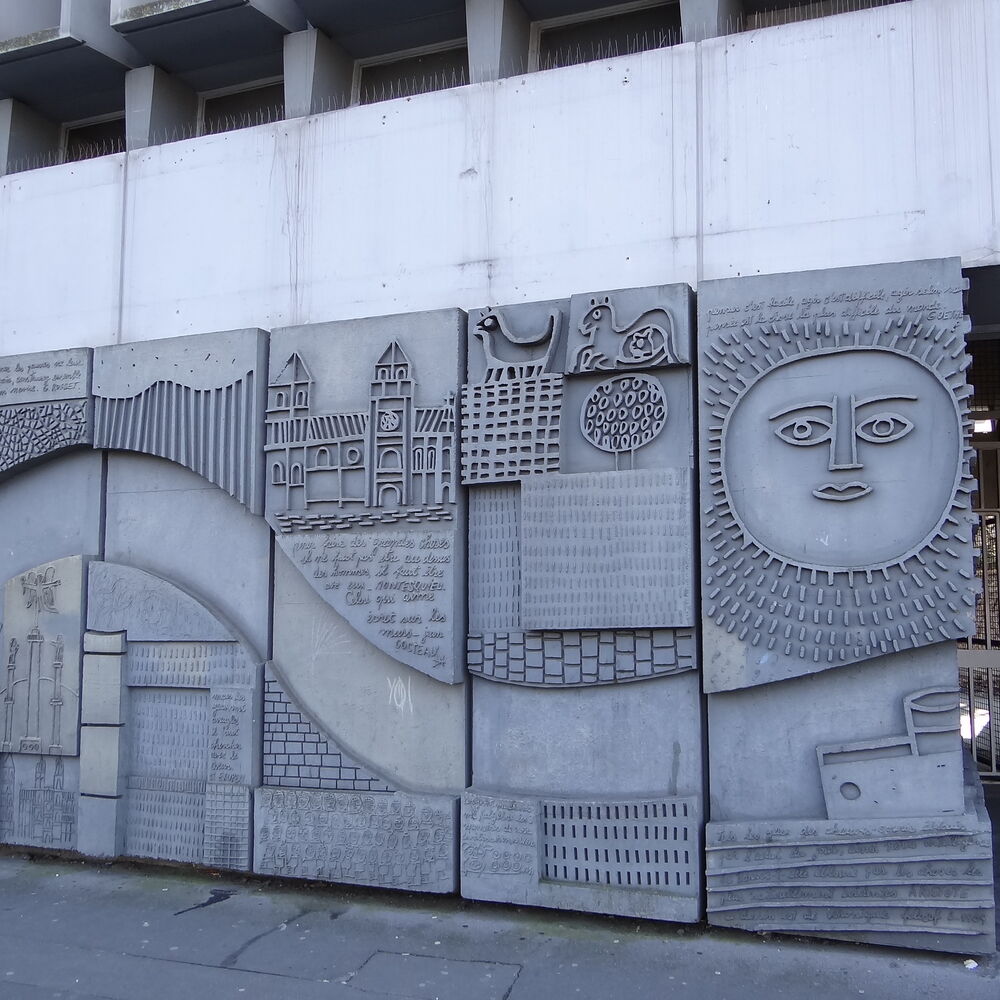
(117, 932)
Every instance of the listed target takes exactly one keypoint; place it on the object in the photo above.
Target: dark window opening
(419, 74)
(244, 109)
(84, 142)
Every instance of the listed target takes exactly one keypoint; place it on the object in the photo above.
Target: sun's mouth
(842, 491)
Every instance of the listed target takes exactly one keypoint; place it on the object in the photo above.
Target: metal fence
(979, 656)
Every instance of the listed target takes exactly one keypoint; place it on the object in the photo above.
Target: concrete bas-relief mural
(837, 571)
(256, 572)
(363, 483)
(576, 451)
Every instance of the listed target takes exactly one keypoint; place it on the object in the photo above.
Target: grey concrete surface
(79, 931)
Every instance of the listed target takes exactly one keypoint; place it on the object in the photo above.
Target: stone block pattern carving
(634, 845)
(834, 519)
(889, 881)
(572, 659)
(298, 755)
(398, 841)
(36, 430)
(213, 432)
(607, 550)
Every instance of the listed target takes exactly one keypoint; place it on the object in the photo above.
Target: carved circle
(623, 414)
(850, 790)
(843, 459)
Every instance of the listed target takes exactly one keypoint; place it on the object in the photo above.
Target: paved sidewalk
(83, 931)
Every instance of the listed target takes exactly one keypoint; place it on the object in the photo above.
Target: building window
(770, 13)
(296, 475)
(278, 474)
(91, 139)
(416, 71)
(300, 397)
(604, 33)
(232, 108)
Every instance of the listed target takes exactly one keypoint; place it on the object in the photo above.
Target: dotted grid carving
(510, 429)
(828, 584)
(607, 549)
(495, 558)
(931, 875)
(604, 344)
(629, 845)
(213, 432)
(34, 430)
(298, 755)
(227, 819)
(575, 659)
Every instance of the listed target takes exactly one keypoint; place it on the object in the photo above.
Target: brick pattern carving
(573, 659)
(650, 844)
(288, 523)
(298, 755)
(33, 430)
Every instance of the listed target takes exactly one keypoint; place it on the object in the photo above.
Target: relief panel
(577, 445)
(363, 478)
(45, 406)
(197, 401)
(835, 468)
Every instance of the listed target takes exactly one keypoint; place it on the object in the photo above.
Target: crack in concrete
(230, 960)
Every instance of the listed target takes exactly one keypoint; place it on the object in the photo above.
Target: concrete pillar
(318, 74)
(701, 19)
(103, 749)
(26, 138)
(158, 108)
(499, 32)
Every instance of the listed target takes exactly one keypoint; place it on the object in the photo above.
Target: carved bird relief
(510, 355)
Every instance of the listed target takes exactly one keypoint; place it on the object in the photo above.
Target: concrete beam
(701, 19)
(318, 74)
(158, 108)
(498, 33)
(26, 138)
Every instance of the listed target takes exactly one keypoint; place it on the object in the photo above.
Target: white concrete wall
(853, 139)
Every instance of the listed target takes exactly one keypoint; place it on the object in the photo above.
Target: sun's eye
(805, 431)
(884, 427)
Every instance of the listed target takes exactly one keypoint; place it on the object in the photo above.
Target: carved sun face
(843, 460)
